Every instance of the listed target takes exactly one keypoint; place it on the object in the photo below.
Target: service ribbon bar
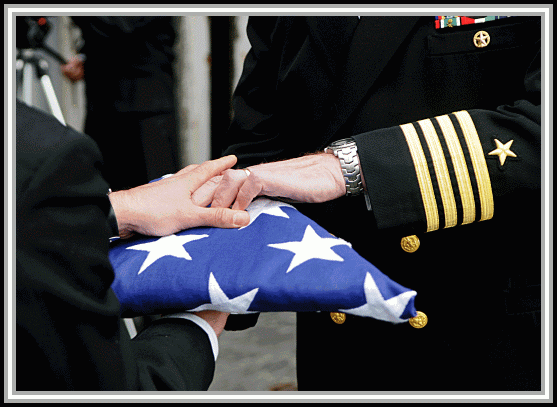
(455, 21)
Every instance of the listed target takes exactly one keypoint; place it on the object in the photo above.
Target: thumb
(223, 218)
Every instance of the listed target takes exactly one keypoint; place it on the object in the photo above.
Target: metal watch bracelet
(347, 153)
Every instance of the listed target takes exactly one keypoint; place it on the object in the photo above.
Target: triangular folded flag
(281, 261)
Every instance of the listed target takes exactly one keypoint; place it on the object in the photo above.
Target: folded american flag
(281, 261)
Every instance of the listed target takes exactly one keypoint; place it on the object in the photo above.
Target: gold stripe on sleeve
(422, 173)
(478, 162)
(459, 163)
(441, 171)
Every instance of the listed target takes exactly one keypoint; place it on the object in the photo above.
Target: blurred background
(209, 53)
(207, 58)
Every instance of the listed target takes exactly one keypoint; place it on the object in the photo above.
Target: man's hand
(74, 69)
(312, 178)
(166, 206)
(217, 319)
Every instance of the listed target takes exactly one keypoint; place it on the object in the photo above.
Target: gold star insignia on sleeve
(503, 151)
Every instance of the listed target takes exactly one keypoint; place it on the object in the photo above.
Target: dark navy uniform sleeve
(458, 168)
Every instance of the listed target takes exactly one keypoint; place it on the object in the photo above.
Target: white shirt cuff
(204, 325)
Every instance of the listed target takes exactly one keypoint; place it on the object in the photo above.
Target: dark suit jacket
(69, 333)
(395, 84)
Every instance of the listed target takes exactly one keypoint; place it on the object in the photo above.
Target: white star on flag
(311, 247)
(171, 245)
(267, 206)
(221, 302)
(376, 306)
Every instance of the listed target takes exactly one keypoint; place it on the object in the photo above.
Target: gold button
(338, 317)
(419, 321)
(481, 39)
(410, 243)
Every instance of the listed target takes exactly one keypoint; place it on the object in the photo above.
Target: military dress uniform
(446, 128)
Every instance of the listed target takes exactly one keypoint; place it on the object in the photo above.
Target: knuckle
(216, 180)
(240, 175)
(220, 215)
(227, 176)
(233, 176)
(213, 183)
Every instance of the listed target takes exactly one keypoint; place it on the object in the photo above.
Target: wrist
(346, 151)
(112, 221)
(121, 212)
(335, 167)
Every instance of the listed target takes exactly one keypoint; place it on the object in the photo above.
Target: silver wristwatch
(347, 152)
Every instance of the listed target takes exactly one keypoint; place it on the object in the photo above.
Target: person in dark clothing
(69, 332)
(130, 94)
(432, 170)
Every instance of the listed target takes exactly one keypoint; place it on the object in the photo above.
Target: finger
(228, 188)
(187, 169)
(221, 218)
(203, 196)
(208, 170)
(249, 190)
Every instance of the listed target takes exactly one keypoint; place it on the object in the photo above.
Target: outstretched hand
(166, 206)
(312, 178)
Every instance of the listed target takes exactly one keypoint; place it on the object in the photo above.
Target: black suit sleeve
(69, 332)
(253, 134)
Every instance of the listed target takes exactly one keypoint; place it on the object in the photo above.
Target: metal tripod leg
(51, 98)
(40, 66)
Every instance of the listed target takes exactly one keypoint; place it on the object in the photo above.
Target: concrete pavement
(262, 358)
